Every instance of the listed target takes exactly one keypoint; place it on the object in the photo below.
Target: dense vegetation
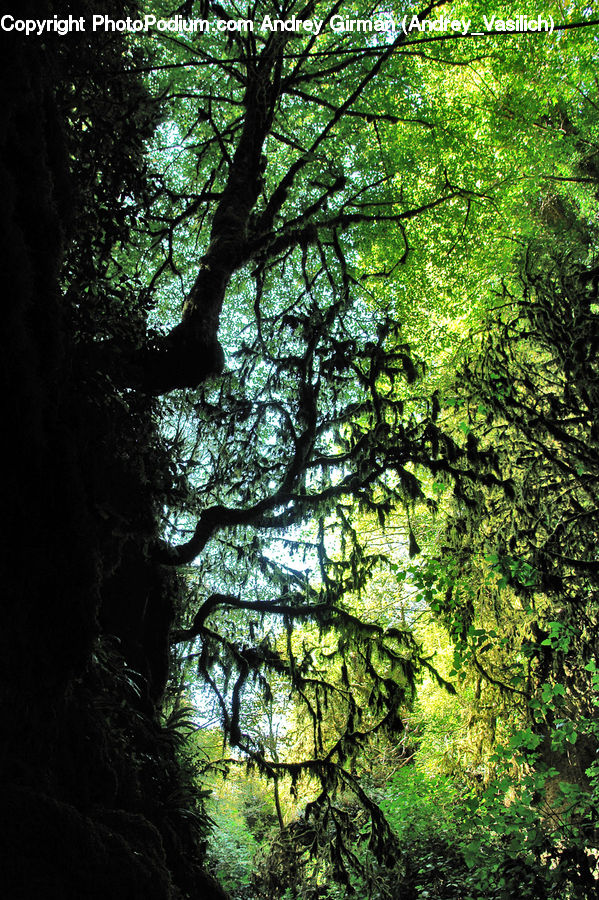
(300, 347)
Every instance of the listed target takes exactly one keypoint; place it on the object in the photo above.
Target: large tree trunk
(80, 601)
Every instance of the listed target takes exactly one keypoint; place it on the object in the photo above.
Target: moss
(85, 770)
(51, 850)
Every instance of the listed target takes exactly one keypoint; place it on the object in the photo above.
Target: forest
(300, 587)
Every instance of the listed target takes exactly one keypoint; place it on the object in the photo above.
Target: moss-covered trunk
(87, 772)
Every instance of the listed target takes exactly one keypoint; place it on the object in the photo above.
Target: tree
(169, 475)
(518, 592)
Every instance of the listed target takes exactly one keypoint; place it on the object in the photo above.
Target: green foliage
(419, 803)
(265, 229)
(533, 830)
(232, 853)
(524, 509)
